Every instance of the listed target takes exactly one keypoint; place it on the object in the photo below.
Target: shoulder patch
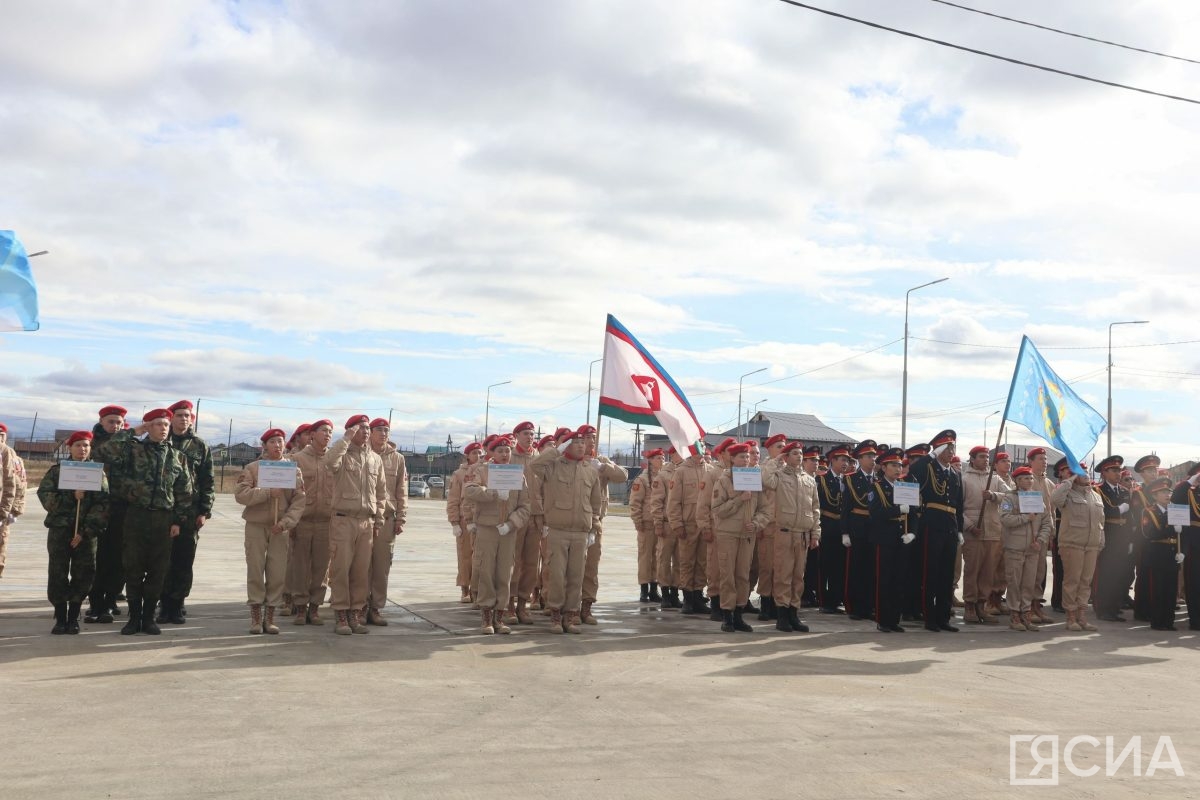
(1006, 505)
(701, 484)
(672, 484)
(637, 487)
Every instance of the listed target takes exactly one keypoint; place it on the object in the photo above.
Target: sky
(296, 210)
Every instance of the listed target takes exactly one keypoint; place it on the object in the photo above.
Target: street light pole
(587, 412)
(487, 406)
(739, 414)
(755, 411)
(985, 419)
(904, 385)
(1108, 419)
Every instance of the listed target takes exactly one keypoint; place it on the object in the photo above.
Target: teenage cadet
(110, 572)
(833, 554)
(74, 520)
(812, 565)
(526, 540)
(1081, 537)
(982, 546)
(1186, 493)
(941, 527)
(609, 473)
(543, 576)
(198, 457)
(682, 505)
(1112, 565)
(1026, 536)
(359, 492)
(1139, 500)
(383, 547)
(707, 523)
(667, 549)
(855, 525)
(763, 562)
(498, 515)
(888, 535)
(270, 516)
(156, 480)
(461, 526)
(797, 522)
(310, 543)
(739, 518)
(643, 523)
(1161, 555)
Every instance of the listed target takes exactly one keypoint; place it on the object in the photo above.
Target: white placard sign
(747, 479)
(1179, 514)
(906, 494)
(277, 474)
(506, 477)
(1031, 502)
(85, 475)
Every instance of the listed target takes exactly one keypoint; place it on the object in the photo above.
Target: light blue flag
(18, 292)
(1044, 403)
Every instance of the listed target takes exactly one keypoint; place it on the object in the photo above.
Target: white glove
(904, 508)
(908, 538)
(1123, 508)
(504, 528)
(562, 448)
(845, 540)
(456, 530)
(591, 538)
(595, 462)
(545, 531)
(1179, 558)
(1130, 551)
(960, 537)
(471, 528)
(11, 519)
(502, 494)
(1194, 479)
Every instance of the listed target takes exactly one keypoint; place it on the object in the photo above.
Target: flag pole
(1000, 433)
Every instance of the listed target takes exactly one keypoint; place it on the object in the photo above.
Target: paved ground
(646, 705)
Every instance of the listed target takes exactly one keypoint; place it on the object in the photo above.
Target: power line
(1064, 33)
(1072, 347)
(996, 56)
(805, 372)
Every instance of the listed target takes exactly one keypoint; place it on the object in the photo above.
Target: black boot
(103, 609)
(765, 604)
(149, 624)
(135, 617)
(73, 617)
(654, 595)
(782, 621)
(700, 604)
(93, 610)
(728, 625)
(689, 602)
(176, 615)
(675, 603)
(645, 596)
(716, 615)
(664, 602)
(164, 613)
(739, 624)
(794, 619)
(181, 606)
(60, 619)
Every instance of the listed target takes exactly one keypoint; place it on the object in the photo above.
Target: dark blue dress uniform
(1185, 494)
(856, 522)
(1157, 569)
(1111, 582)
(941, 522)
(833, 557)
(914, 597)
(887, 526)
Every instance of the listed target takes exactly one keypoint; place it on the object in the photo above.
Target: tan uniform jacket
(526, 460)
(797, 507)
(658, 495)
(683, 496)
(639, 501)
(318, 484)
(395, 473)
(732, 511)
(1082, 524)
(359, 486)
(704, 513)
(491, 509)
(454, 495)
(22, 485)
(973, 482)
(1019, 530)
(258, 506)
(570, 492)
(8, 481)
(609, 473)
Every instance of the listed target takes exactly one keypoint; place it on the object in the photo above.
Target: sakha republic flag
(635, 388)
(18, 292)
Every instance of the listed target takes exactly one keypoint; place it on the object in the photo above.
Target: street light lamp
(755, 411)
(904, 386)
(985, 419)
(739, 414)
(487, 406)
(1108, 420)
(588, 411)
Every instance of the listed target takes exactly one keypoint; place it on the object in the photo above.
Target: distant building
(805, 428)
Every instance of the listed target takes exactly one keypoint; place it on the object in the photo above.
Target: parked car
(436, 482)
(418, 489)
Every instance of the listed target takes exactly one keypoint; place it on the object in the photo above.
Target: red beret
(1001, 456)
(655, 453)
(523, 426)
(302, 428)
(380, 422)
(737, 449)
(789, 447)
(542, 442)
(955, 460)
(977, 449)
(491, 437)
(559, 433)
(271, 432)
(472, 447)
(357, 419)
(671, 450)
(720, 448)
(108, 411)
(3, 427)
(585, 430)
(157, 413)
(1019, 471)
(500, 441)
(776, 439)
(79, 436)
(1034, 452)
(181, 404)
(319, 423)
(751, 443)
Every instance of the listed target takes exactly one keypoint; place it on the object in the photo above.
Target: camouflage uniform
(110, 572)
(155, 481)
(8, 488)
(71, 569)
(183, 548)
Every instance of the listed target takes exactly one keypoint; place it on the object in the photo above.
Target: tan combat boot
(556, 621)
(466, 596)
(1027, 618)
(269, 625)
(1081, 619)
(971, 612)
(375, 618)
(256, 625)
(1014, 622)
(486, 628)
(571, 623)
(585, 615)
(523, 617)
(498, 622)
(358, 621)
(342, 623)
(1072, 622)
(510, 612)
(300, 613)
(286, 609)
(984, 616)
(1036, 613)
(313, 617)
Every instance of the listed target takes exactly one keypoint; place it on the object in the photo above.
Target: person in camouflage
(154, 479)
(110, 572)
(183, 549)
(75, 519)
(8, 489)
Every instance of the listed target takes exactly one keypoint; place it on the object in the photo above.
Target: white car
(418, 489)
(435, 482)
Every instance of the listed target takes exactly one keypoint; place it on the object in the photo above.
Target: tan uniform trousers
(1020, 566)
(1079, 567)
(568, 553)
(999, 572)
(526, 554)
(591, 570)
(979, 568)
(788, 561)
(1040, 585)
(713, 566)
(310, 561)
(735, 553)
(3, 544)
(691, 560)
(349, 561)
(464, 545)
(764, 559)
(667, 556)
(647, 555)
(266, 565)
(494, 565)
(544, 574)
(382, 550)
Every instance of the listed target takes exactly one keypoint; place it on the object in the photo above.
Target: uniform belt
(1163, 541)
(940, 507)
(862, 512)
(1115, 521)
(830, 514)
(351, 516)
